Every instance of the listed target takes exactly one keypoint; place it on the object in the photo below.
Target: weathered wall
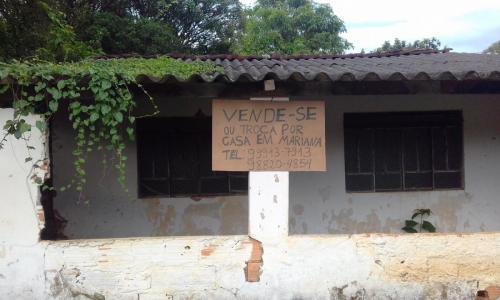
(105, 210)
(318, 201)
(16, 186)
(21, 215)
(377, 266)
(302, 267)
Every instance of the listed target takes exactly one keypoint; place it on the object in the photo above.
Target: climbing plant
(98, 97)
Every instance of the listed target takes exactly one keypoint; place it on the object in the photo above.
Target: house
(404, 131)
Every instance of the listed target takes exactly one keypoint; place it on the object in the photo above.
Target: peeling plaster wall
(21, 215)
(105, 210)
(301, 267)
(318, 201)
(320, 204)
(377, 266)
(19, 195)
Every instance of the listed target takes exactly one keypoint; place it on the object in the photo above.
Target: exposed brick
(493, 292)
(254, 264)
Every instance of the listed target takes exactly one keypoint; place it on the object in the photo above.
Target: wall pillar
(268, 206)
(268, 198)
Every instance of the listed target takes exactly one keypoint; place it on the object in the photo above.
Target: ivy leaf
(61, 84)
(56, 94)
(53, 105)
(40, 86)
(24, 127)
(118, 116)
(38, 97)
(428, 226)
(105, 84)
(94, 116)
(130, 132)
(41, 125)
(105, 109)
(409, 229)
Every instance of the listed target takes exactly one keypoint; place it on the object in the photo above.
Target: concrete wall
(17, 186)
(21, 215)
(340, 267)
(377, 266)
(319, 203)
(105, 210)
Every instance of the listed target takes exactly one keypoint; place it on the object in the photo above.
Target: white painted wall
(110, 212)
(300, 267)
(378, 266)
(21, 256)
(320, 204)
(16, 186)
(318, 201)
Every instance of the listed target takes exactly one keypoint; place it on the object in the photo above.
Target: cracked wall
(376, 266)
(318, 201)
(360, 266)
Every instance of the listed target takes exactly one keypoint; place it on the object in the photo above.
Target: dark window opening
(175, 160)
(403, 151)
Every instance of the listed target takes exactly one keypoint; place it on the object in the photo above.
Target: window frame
(404, 121)
(169, 126)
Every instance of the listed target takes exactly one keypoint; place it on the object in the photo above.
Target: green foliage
(493, 48)
(34, 29)
(204, 26)
(67, 30)
(97, 95)
(61, 44)
(116, 35)
(292, 27)
(411, 226)
(23, 28)
(400, 45)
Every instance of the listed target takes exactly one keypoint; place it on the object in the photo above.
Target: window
(403, 151)
(175, 159)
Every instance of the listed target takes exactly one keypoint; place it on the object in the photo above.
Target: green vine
(98, 97)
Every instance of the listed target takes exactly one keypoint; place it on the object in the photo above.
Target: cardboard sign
(268, 136)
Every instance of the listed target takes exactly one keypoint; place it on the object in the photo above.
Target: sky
(465, 26)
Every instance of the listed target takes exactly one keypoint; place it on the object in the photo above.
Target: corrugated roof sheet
(411, 65)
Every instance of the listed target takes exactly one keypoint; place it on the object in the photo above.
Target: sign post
(268, 139)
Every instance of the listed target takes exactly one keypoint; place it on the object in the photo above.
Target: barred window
(175, 160)
(403, 151)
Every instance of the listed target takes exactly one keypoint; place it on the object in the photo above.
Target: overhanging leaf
(94, 116)
(53, 105)
(41, 125)
(118, 116)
